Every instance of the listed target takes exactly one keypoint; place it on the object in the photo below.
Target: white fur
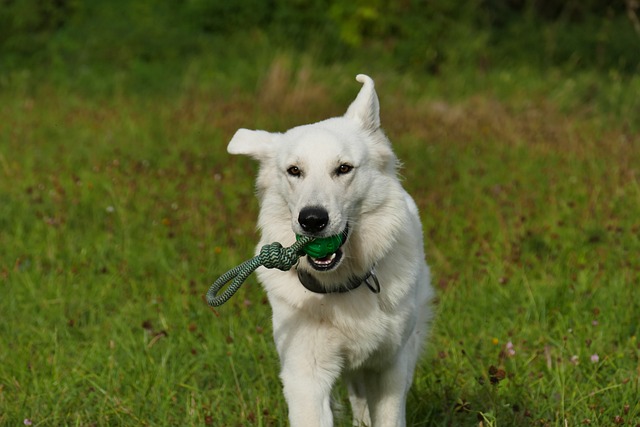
(371, 340)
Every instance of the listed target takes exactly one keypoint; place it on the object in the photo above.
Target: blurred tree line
(421, 35)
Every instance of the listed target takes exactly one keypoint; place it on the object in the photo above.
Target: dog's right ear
(257, 144)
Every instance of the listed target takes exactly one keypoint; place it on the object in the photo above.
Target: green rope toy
(271, 256)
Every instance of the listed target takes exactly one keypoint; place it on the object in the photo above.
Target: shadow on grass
(437, 404)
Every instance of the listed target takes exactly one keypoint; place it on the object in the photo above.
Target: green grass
(118, 210)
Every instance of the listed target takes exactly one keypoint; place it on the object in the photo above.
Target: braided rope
(271, 256)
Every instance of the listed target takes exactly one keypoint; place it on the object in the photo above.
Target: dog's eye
(344, 169)
(294, 171)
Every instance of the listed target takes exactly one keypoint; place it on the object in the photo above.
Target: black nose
(313, 219)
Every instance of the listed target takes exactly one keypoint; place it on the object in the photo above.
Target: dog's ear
(257, 144)
(365, 109)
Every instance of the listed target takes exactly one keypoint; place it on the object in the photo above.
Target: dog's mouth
(331, 260)
(325, 263)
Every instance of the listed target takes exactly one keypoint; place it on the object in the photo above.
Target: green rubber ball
(321, 247)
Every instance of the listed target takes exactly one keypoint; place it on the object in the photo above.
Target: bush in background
(418, 35)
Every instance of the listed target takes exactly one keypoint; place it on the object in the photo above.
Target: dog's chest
(370, 341)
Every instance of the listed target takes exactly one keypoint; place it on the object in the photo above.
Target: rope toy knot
(275, 256)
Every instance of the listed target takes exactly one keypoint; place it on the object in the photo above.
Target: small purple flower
(510, 350)
(595, 358)
(27, 422)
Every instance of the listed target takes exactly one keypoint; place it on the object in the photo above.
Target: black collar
(312, 284)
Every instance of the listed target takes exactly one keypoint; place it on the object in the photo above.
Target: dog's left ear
(257, 144)
(365, 109)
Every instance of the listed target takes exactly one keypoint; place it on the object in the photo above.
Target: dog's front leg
(307, 397)
(310, 367)
(387, 392)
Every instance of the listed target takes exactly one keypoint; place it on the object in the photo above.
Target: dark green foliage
(419, 35)
(26, 26)
(226, 17)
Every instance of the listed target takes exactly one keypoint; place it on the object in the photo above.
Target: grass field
(118, 210)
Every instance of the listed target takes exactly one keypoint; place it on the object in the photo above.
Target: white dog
(362, 312)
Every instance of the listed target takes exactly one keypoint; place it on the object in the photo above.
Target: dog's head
(324, 178)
